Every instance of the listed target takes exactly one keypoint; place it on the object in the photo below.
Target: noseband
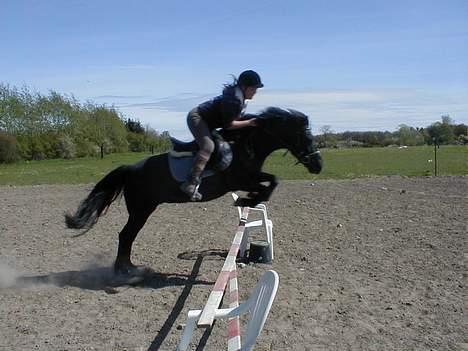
(305, 157)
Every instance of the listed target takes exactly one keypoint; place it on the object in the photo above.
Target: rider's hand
(252, 122)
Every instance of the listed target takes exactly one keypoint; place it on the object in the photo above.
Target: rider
(224, 111)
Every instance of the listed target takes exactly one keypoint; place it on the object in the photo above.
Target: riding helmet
(250, 78)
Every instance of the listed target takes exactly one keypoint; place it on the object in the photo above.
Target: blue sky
(352, 65)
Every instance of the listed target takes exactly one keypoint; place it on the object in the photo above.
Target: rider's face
(249, 92)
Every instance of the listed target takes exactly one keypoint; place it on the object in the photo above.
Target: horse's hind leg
(136, 221)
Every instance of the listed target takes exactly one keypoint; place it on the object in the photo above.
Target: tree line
(35, 126)
(442, 133)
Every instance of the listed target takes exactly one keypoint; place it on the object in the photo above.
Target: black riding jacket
(220, 111)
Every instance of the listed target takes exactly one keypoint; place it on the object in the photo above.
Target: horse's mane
(284, 115)
(275, 118)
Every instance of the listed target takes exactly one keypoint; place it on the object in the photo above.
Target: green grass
(78, 171)
(367, 162)
(338, 164)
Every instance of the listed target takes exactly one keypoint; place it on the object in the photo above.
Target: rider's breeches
(202, 135)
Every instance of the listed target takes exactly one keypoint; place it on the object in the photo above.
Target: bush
(8, 150)
(38, 148)
(85, 148)
(136, 142)
(23, 147)
(66, 147)
(32, 147)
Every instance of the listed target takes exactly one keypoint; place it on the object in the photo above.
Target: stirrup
(191, 190)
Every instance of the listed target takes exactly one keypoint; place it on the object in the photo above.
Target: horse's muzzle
(313, 162)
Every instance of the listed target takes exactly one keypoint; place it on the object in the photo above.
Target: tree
(328, 139)
(107, 129)
(409, 136)
(442, 132)
(447, 120)
(134, 126)
(460, 129)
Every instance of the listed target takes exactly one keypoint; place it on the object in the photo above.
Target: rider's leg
(202, 135)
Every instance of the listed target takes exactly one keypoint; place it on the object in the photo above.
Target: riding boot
(191, 185)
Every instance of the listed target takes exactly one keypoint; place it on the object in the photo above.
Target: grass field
(338, 164)
(368, 162)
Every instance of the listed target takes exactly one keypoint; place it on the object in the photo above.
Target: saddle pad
(180, 168)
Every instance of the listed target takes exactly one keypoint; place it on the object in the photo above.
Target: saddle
(182, 155)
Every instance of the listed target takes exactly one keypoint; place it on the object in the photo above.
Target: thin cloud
(176, 103)
(133, 67)
(368, 109)
(123, 97)
(353, 110)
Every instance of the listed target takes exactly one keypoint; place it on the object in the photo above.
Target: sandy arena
(367, 264)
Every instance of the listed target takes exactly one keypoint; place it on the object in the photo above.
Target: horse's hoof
(132, 271)
(119, 280)
(241, 202)
(123, 269)
(130, 275)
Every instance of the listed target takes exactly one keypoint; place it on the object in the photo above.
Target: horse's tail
(100, 198)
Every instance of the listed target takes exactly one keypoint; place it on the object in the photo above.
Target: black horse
(149, 183)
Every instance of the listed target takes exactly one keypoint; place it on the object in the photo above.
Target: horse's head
(291, 129)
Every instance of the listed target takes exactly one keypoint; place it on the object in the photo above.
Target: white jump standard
(258, 304)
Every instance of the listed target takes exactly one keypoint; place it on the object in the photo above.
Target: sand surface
(368, 264)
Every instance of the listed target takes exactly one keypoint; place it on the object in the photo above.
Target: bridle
(303, 157)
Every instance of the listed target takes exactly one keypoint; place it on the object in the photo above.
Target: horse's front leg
(258, 192)
(265, 191)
